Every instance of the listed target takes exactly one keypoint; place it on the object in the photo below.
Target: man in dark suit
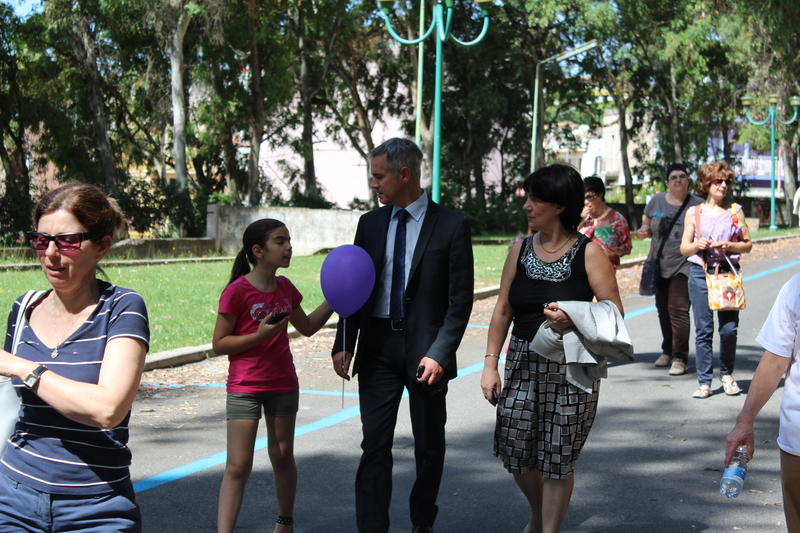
(408, 332)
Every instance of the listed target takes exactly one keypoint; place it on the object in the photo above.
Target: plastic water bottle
(733, 477)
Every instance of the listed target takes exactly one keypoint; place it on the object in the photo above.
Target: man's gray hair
(400, 153)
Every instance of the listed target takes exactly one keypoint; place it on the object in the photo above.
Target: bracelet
(491, 355)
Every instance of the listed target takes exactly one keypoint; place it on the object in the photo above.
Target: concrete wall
(135, 249)
(312, 230)
(158, 248)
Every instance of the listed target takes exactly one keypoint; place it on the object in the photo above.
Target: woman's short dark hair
(257, 233)
(561, 185)
(595, 185)
(95, 211)
(711, 171)
(673, 167)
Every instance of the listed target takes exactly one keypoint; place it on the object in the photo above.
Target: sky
(23, 7)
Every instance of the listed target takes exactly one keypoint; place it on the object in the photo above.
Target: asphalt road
(651, 464)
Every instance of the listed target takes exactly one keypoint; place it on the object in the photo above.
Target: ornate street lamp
(535, 111)
(440, 25)
(772, 118)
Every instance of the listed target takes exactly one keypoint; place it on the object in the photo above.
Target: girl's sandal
(731, 387)
(702, 393)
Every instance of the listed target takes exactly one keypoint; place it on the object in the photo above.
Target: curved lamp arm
(402, 40)
(479, 37)
(444, 19)
(791, 120)
(757, 122)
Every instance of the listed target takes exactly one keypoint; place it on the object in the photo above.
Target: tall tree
(365, 84)
(315, 24)
(774, 51)
(81, 24)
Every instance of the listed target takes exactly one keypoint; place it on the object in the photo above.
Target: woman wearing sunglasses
(604, 225)
(722, 232)
(77, 369)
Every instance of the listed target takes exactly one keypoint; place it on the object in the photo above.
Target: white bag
(9, 401)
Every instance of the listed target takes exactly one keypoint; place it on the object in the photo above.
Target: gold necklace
(54, 353)
(557, 249)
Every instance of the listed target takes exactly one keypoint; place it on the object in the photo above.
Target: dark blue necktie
(399, 268)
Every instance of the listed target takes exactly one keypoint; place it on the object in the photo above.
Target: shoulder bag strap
(701, 253)
(671, 225)
(22, 319)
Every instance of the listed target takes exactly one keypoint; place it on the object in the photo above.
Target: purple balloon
(347, 278)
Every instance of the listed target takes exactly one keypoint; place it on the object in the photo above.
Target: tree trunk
(674, 122)
(229, 153)
(480, 186)
(309, 174)
(789, 155)
(83, 47)
(626, 167)
(257, 119)
(540, 157)
(178, 101)
(198, 162)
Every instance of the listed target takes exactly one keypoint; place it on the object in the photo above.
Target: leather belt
(387, 323)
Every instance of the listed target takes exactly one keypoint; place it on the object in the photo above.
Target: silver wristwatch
(33, 377)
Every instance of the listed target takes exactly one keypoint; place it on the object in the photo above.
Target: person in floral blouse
(604, 225)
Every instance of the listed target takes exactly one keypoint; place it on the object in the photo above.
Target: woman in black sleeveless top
(542, 419)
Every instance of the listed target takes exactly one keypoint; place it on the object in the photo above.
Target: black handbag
(651, 271)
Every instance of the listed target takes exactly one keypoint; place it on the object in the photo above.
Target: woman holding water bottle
(604, 225)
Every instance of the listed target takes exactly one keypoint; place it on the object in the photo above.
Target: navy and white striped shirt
(50, 452)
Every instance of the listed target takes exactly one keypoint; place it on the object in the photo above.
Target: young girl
(251, 330)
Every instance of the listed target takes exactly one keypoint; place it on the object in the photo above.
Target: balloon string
(344, 353)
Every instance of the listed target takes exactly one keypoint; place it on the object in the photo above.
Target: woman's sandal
(702, 393)
(731, 387)
(285, 521)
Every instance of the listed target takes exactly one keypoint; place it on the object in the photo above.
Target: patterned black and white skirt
(542, 419)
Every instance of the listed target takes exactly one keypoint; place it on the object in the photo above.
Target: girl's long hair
(256, 233)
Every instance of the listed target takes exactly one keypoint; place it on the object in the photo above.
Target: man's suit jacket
(439, 291)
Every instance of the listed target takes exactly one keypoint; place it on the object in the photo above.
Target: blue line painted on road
(640, 312)
(650, 309)
(329, 393)
(771, 271)
(342, 416)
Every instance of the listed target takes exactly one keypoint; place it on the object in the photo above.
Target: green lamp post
(440, 25)
(535, 111)
(772, 118)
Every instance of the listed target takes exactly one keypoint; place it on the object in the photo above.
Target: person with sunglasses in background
(605, 226)
(663, 221)
(722, 232)
(76, 368)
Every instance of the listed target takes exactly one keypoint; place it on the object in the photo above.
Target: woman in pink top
(722, 232)
(603, 225)
(251, 329)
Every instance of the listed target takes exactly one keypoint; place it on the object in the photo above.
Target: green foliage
(15, 216)
(221, 198)
(265, 71)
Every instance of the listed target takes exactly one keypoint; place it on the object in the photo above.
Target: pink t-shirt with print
(267, 367)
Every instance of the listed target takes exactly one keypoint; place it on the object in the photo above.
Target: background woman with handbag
(663, 220)
(77, 368)
(722, 232)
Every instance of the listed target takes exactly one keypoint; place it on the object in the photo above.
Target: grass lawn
(182, 298)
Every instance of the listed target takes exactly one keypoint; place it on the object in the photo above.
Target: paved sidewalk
(651, 464)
